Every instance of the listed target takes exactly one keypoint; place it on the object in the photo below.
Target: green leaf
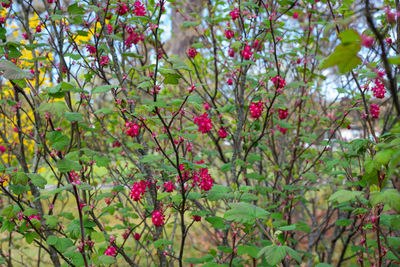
(107, 259)
(66, 165)
(145, 84)
(344, 196)
(51, 220)
(3, 33)
(226, 167)
(383, 157)
(30, 236)
(323, 265)
(20, 178)
(244, 213)
(252, 251)
(216, 222)
(343, 222)
(161, 242)
(54, 108)
(74, 9)
(103, 89)
(288, 227)
(273, 254)
(18, 189)
(37, 180)
(59, 140)
(345, 54)
(194, 195)
(188, 23)
(392, 198)
(102, 161)
(219, 192)
(350, 36)
(294, 254)
(52, 240)
(63, 244)
(8, 212)
(394, 60)
(104, 111)
(177, 63)
(203, 259)
(225, 249)
(13, 72)
(73, 116)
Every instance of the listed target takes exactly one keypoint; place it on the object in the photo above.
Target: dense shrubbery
(254, 133)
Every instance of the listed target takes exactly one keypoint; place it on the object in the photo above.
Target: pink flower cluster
(138, 189)
(158, 218)
(91, 49)
(133, 37)
(256, 109)
(201, 178)
(222, 133)
(111, 251)
(206, 182)
(192, 52)
(229, 34)
(234, 14)
(139, 9)
(374, 110)
(132, 129)
(6, 4)
(122, 9)
(74, 178)
(367, 41)
(204, 123)
(169, 186)
(246, 53)
(282, 130)
(378, 89)
(278, 81)
(33, 216)
(283, 114)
